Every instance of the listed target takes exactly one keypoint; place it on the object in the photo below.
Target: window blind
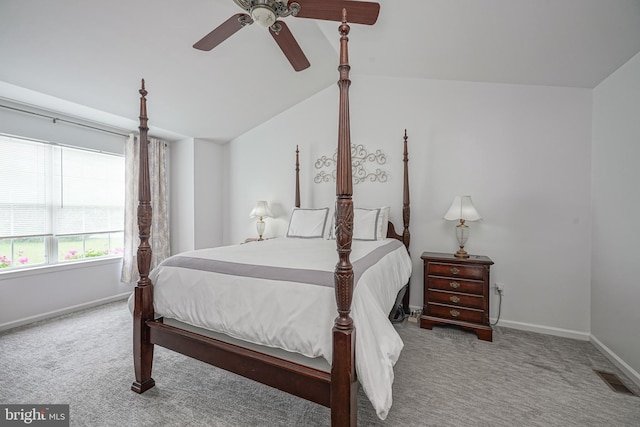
(26, 191)
(91, 197)
(57, 190)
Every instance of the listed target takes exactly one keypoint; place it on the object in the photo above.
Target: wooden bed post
(406, 214)
(344, 386)
(406, 236)
(143, 308)
(297, 177)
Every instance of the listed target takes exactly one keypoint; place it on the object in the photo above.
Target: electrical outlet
(415, 315)
(499, 288)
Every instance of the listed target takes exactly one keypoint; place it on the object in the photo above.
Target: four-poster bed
(379, 268)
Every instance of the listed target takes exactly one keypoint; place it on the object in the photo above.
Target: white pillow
(384, 226)
(367, 224)
(362, 229)
(308, 223)
(331, 233)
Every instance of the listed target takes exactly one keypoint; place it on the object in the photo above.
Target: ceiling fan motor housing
(263, 15)
(265, 12)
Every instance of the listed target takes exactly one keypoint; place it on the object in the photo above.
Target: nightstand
(456, 292)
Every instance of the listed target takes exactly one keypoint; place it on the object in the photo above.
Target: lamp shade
(462, 208)
(261, 210)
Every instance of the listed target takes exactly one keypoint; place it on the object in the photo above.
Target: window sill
(70, 265)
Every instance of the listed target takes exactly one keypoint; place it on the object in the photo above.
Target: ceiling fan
(267, 12)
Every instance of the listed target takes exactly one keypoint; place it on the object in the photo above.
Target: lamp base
(260, 228)
(461, 253)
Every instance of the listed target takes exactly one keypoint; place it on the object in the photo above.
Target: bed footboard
(299, 380)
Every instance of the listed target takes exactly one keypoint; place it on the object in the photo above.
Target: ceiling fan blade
(290, 47)
(358, 12)
(223, 32)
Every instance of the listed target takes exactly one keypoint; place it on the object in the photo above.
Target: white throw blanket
(279, 293)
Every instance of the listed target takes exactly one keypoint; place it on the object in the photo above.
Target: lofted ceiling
(85, 58)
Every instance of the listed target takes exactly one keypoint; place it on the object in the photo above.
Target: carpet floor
(445, 377)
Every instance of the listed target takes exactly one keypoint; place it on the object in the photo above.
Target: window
(58, 203)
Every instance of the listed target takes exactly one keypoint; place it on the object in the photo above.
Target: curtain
(159, 239)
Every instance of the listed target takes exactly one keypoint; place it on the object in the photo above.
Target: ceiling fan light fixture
(263, 15)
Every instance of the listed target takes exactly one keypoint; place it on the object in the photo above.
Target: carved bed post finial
(344, 384)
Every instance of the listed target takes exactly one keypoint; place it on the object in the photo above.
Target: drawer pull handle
(454, 270)
(454, 313)
(454, 298)
(454, 285)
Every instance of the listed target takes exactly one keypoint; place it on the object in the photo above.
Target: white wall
(182, 184)
(196, 182)
(615, 292)
(209, 184)
(522, 152)
(26, 296)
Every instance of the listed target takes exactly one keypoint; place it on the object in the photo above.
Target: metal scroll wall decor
(362, 166)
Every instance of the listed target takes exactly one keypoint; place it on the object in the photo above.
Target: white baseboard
(631, 373)
(547, 330)
(415, 307)
(63, 311)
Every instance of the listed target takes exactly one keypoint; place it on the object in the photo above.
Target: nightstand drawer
(447, 284)
(458, 299)
(456, 270)
(456, 313)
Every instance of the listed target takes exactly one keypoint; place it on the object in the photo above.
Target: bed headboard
(405, 237)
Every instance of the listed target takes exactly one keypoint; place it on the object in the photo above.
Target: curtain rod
(57, 119)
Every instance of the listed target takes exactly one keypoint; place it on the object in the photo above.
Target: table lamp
(462, 209)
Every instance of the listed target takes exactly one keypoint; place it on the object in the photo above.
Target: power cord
(399, 316)
(499, 307)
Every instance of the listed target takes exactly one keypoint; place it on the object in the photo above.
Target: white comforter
(285, 312)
